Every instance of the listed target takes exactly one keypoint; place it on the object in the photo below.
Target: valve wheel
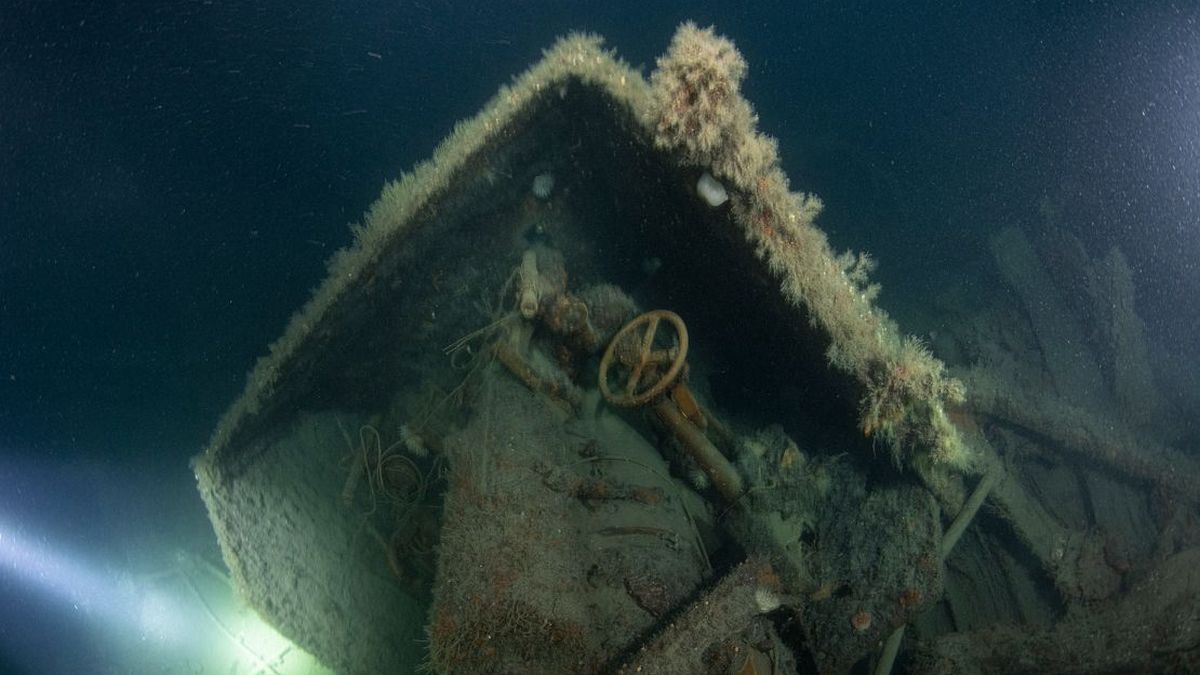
(651, 370)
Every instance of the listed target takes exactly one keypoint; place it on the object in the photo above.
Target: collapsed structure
(468, 449)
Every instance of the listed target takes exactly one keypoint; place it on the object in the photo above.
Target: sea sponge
(861, 621)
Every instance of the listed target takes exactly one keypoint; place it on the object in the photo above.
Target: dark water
(173, 176)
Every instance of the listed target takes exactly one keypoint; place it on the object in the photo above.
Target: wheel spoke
(661, 357)
(648, 338)
(635, 377)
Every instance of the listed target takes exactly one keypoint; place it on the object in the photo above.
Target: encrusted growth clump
(698, 109)
(903, 405)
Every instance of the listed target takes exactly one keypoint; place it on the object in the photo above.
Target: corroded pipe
(724, 477)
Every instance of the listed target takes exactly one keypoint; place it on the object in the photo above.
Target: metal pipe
(720, 471)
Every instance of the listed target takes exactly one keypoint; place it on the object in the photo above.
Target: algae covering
(423, 469)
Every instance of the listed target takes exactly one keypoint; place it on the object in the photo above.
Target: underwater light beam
(143, 613)
(55, 574)
(61, 578)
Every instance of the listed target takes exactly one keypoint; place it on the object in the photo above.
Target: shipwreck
(591, 392)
